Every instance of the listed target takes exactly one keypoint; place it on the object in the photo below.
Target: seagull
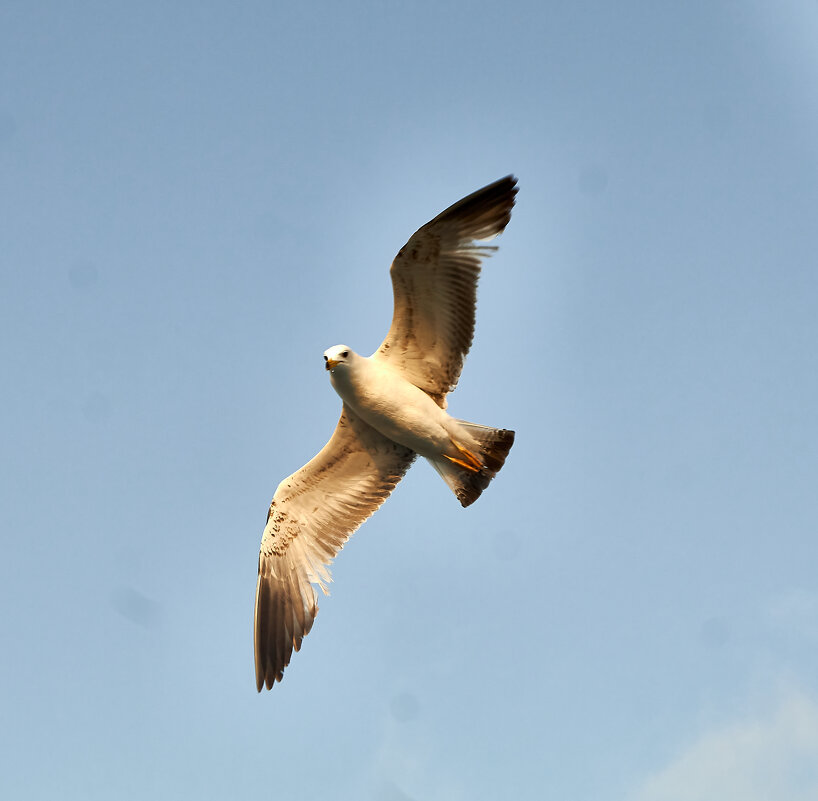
(394, 409)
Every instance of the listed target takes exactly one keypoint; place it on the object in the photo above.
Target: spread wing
(434, 280)
(312, 515)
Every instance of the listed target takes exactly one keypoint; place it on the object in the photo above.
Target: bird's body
(394, 409)
(393, 406)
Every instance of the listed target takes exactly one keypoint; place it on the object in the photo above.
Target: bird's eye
(345, 354)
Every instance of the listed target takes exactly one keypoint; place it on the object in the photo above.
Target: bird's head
(338, 355)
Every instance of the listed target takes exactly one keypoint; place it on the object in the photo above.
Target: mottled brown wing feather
(312, 515)
(434, 280)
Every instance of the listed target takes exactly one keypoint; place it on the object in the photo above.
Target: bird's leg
(470, 462)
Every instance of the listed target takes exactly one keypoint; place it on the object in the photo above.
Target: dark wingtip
(486, 212)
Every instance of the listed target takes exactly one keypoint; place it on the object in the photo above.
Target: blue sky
(197, 200)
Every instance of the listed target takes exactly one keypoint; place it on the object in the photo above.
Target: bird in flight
(394, 409)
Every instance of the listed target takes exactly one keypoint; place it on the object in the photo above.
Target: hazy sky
(196, 199)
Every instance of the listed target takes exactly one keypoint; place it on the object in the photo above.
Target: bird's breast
(393, 406)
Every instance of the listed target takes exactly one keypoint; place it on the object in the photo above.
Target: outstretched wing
(312, 515)
(434, 280)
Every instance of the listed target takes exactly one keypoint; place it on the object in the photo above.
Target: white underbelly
(397, 409)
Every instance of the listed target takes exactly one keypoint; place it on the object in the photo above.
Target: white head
(338, 356)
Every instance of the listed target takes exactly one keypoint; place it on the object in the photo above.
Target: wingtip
(485, 213)
(507, 183)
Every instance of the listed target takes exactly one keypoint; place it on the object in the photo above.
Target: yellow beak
(331, 363)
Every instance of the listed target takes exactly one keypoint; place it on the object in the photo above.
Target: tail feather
(490, 445)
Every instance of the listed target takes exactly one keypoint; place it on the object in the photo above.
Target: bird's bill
(331, 363)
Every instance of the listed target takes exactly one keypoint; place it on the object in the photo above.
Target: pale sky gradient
(199, 198)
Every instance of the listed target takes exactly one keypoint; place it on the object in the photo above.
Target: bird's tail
(478, 454)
